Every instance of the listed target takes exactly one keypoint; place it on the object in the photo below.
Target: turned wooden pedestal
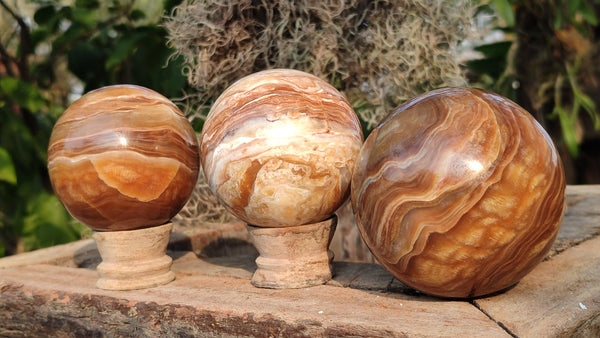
(293, 257)
(134, 259)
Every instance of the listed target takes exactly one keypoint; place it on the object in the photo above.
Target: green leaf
(47, 223)
(87, 18)
(499, 49)
(137, 14)
(44, 15)
(18, 141)
(23, 93)
(124, 48)
(7, 168)
(581, 99)
(151, 53)
(558, 21)
(66, 12)
(572, 7)
(505, 11)
(588, 14)
(40, 35)
(567, 126)
(588, 104)
(86, 60)
(87, 4)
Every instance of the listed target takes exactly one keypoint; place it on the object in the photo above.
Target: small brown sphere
(278, 148)
(459, 193)
(122, 158)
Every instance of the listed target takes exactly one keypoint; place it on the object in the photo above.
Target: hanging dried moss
(378, 53)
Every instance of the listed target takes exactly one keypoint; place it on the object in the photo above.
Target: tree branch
(25, 43)
(7, 61)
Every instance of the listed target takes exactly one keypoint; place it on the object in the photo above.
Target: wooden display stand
(134, 259)
(293, 257)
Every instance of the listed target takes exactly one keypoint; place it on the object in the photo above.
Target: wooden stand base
(134, 259)
(293, 257)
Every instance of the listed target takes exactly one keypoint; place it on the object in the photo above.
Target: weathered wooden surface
(562, 297)
(51, 300)
(51, 293)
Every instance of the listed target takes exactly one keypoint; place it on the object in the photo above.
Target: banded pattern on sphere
(278, 148)
(123, 157)
(459, 193)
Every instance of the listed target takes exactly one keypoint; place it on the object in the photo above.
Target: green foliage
(27, 208)
(563, 37)
(108, 44)
(7, 168)
(24, 94)
(575, 12)
(88, 41)
(46, 223)
(491, 68)
(505, 11)
(136, 53)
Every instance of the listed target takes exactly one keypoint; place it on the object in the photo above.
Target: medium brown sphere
(123, 157)
(278, 148)
(459, 193)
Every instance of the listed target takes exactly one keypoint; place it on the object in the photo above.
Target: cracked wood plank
(560, 298)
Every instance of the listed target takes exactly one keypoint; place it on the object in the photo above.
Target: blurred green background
(541, 54)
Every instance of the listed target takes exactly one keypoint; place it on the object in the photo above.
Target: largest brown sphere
(459, 193)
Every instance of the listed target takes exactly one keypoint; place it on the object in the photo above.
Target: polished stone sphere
(278, 148)
(459, 193)
(123, 157)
